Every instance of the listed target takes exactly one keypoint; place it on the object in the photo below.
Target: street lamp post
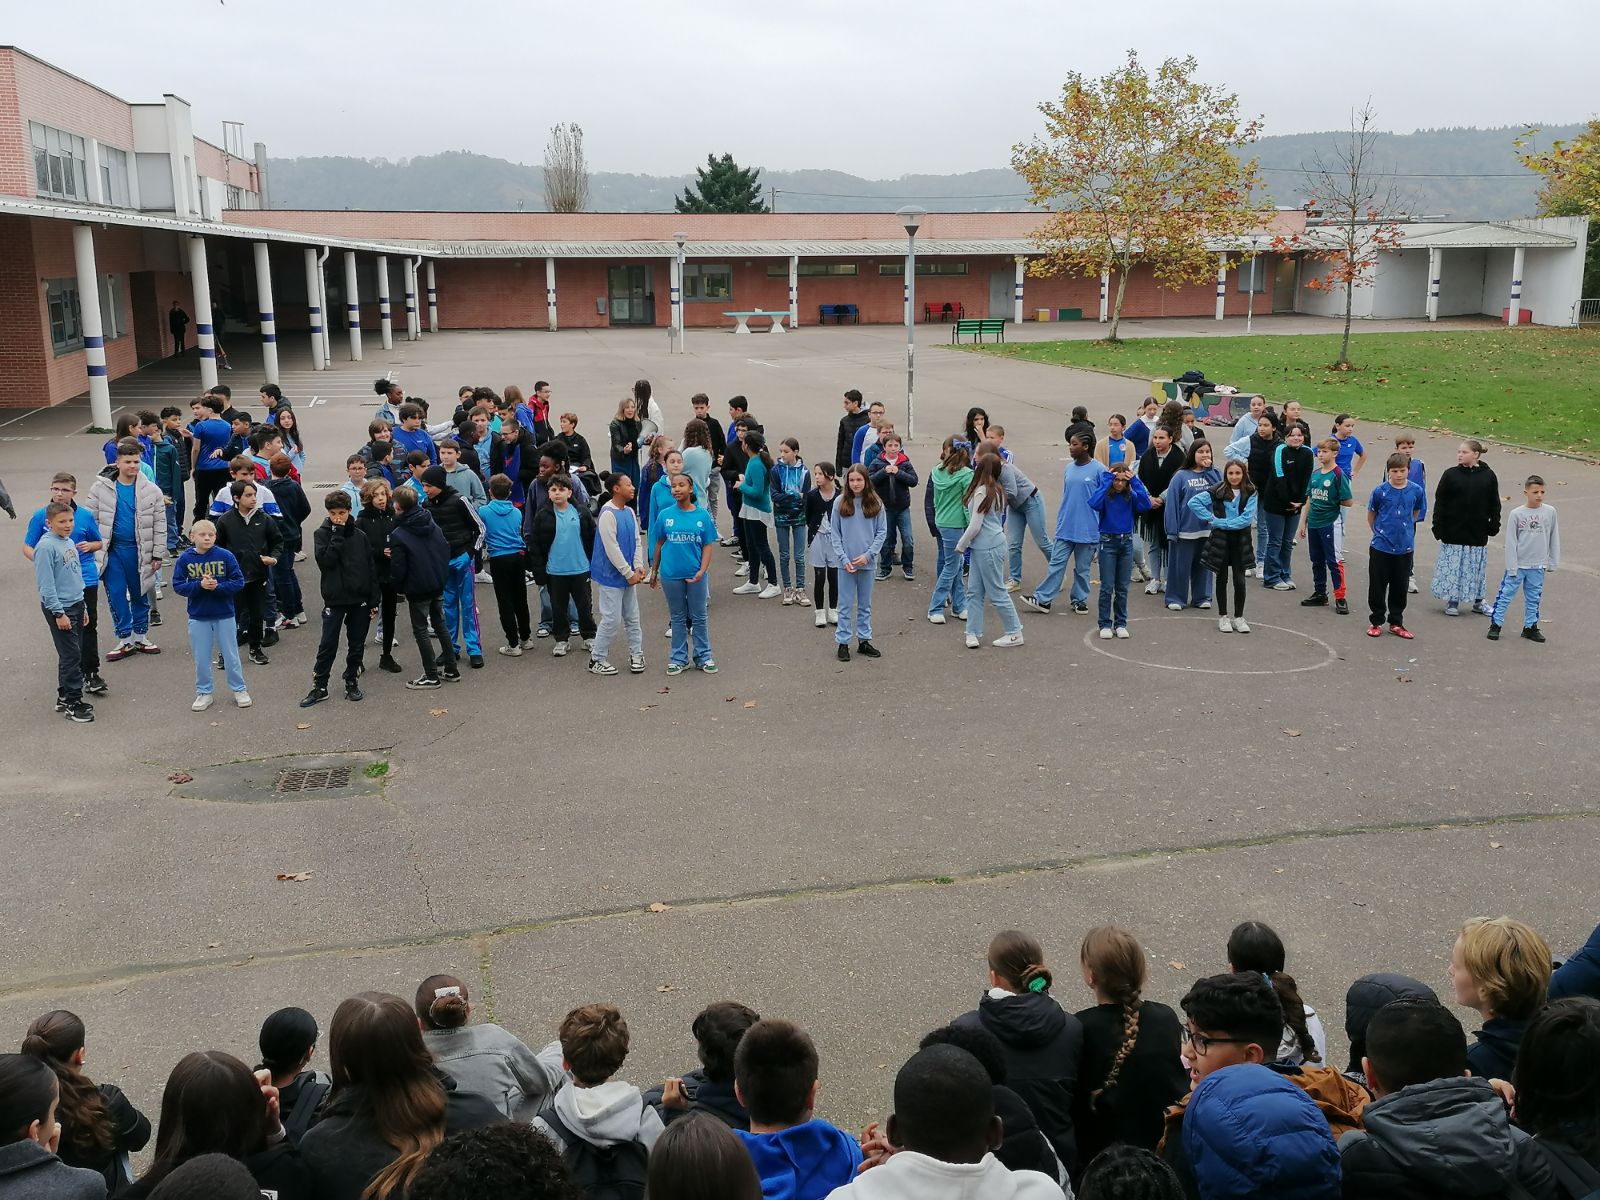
(911, 217)
(677, 298)
(1255, 277)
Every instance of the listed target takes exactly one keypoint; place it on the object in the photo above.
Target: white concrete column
(200, 285)
(794, 290)
(413, 326)
(1105, 296)
(675, 314)
(433, 300)
(352, 304)
(1518, 260)
(1435, 259)
(268, 316)
(94, 342)
(327, 311)
(314, 306)
(385, 316)
(1222, 284)
(1016, 300)
(550, 293)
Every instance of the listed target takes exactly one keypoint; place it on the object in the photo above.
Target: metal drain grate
(298, 780)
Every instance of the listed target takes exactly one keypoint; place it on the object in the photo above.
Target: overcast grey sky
(879, 88)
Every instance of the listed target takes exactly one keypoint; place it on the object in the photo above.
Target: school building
(111, 212)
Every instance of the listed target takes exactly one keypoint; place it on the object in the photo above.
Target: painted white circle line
(1091, 640)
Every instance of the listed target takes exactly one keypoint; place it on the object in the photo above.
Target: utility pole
(772, 199)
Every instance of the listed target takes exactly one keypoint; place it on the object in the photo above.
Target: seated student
(1558, 1092)
(1501, 968)
(1235, 1019)
(390, 1105)
(1042, 1040)
(29, 1137)
(1253, 1135)
(507, 1161)
(717, 1030)
(97, 1123)
(1022, 1147)
(287, 1041)
(1255, 946)
(944, 1130)
(1125, 1172)
(699, 1159)
(601, 1125)
(1433, 1130)
(1362, 1000)
(797, 1155)
(209, 1177)
(484, 1059)
(1578, 976)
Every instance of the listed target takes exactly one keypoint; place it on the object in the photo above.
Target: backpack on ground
(614, 1172)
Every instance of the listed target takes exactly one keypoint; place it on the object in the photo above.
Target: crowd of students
(495, 495)
(1125, 1099)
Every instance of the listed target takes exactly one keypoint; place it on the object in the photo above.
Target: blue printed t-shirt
(1394, 528)
(1347, 451)
(122, 531)
(681, 535)
(84, 529)
(213, 435)
(566, 555)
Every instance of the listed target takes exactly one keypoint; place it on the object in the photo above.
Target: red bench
(943, 310)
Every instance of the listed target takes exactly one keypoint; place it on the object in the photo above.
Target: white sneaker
(511, 651)
(962, 615)
(1175, 606)
(1225, 624)
(768, 592)
(1013, 585)
(484, 577)
(1151, 588)
(1283, 585)
(668, 632)
(588, 643)
(1249, 572)
(747, 589)
(1122, 632)
(201, 703)
(299, 556)
(636, 663)
(833, 616)
(559, 650)
(822, 618)
(743, 569)
(936, 618)
(1239, 625)
(1411, 586)
(1005, 641)
(972, 641)
(1105, 633)
(527, 643)
(242, 699)
(1204, 604)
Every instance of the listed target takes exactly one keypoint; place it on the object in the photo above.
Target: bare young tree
(1360, 207)
(566, 174)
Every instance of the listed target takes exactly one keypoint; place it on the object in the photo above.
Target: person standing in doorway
(178, 322)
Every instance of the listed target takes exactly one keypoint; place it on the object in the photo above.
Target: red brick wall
(22, 330)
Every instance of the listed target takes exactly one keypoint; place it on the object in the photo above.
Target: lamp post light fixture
(911, 217)
(1255, 279)
(678, 294)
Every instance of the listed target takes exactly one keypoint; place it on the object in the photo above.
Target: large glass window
(66, 325)
(925, 266)
(60, 163)
(778, 269)
(1253, 274)
(707, 281)
(113, 177)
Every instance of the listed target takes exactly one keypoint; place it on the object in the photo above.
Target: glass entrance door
(629, 296)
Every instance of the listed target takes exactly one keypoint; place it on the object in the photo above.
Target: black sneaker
(844, 652)
(1342, 607)
(61, 704)
(868, 650)
(1315, 600)
(421, 682)
(353, 692)
(155, 617)
(450, 674)
(1080, 606)
(315, 696)
(95, 686)
(881, 575)
(258, 658)
(1036, 604)
(270, 638)
(387, 663)
(1532, 634)
(80, 712)
(1494, 633)
(477, 662)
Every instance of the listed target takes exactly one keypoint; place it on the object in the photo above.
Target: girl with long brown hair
(857, 530)
(944, 503)
(985, 536)
(1229, 508)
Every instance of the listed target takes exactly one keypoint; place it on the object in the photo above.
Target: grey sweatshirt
(603, 1116)
(495, 1064)
(1532, 538)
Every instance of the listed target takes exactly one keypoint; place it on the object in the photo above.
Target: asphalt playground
(825, 841)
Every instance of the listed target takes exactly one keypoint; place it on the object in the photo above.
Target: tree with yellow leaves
(1571, 171)
(1140, 169)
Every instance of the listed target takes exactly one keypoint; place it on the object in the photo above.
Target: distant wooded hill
(1463, 173)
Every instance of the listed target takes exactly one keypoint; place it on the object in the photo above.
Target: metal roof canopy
(862, 248)
(1457, 235)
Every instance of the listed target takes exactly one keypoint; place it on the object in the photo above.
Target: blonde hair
(1510, 964)
(203, 526)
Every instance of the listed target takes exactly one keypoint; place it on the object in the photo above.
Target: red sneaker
(1374, 631)
(1400, 631)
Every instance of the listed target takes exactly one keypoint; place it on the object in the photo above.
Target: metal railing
(1589, 311)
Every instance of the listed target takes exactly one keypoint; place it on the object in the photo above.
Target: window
(925, 266)
(111, 306)
(707, 281)
(60, 166)
(66, 326)
(1253, 274)
(113, 177)
(778, 269)
(235, 197)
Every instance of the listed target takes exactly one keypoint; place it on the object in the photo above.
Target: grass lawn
(1536, 387)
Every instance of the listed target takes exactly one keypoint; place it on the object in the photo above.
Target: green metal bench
(979, 329)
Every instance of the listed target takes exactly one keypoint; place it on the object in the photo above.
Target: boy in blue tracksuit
(1396, 506)
(59, 577)
(1117, 498)
(210, 578)
(504, 548)
(1077, 529)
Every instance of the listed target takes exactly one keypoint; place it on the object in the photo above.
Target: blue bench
(839, 313)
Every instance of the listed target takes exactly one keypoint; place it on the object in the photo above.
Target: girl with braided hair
(1254, 946)
(1130, 1071)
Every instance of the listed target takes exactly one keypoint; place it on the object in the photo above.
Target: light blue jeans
(794, 535)
(1531, 581)
(989, 584)
(1081, 554)
(855, 603)
(1029, 519)
(687, 602)
(207, 639)
(949, 585)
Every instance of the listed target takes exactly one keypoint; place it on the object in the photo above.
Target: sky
(877, 88)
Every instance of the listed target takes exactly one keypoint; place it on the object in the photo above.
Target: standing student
(1260, 447)
(1417, 472)
(463, 535)
(625, 432)
(985, 537)
(295, 508)
(1026, 516)
(579, 456)
(560, 546)
(504, 548)
(132, 510)
(294, 442)
(419, 569)
(945, 507)
(1229, 509)
(854, 418)
(700, 460)
(1533, 547)
(1080, 424)
(616, 565)
(1077, 534)
(87, 538)
(717, 442)
(515, 455)
(730, 462)
(1327, 492)
(1283, 498)
(652, 473)
(755, 513)
(349, 592)
(1157, 465)
(683, 537)
(1188, 581)
(1393, 511)
(1291, 418)
(466, 481)
(1118, 500)
(1352, 454)
(867, 437)
(59, 577)
(169, 478)
(1466, 514)
(210, 578)
(661, 491)
(820, 549)
(1140, 428)
(254, 539)
(410, 437)
(790, 480)
(376, 520)
(649, 410)
(1117, 446)
(209, 437)
(893, 477)
(857, 530)
(172, 429)
(356, 469)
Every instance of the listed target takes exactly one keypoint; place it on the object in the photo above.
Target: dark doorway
(629, 297)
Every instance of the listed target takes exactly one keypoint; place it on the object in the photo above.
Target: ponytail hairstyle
(955, 454)
(986, 475)
(54, 1039)
(1018, 959)
(1254, 946)
(287, 1036)
(871, 506)
(829, 471)
(27, 1089)
(442, 1002)
(755, 444)
(375, 1050)
(1116, 960)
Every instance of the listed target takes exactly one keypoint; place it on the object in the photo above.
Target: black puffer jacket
(345, 560)
(1466, 506)
(250, 539)
(419, 558)
(456, 520)
(375, 523)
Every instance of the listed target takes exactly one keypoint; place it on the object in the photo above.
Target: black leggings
(829, 576)
(386, 607)
(758, 552)
(1236, 571)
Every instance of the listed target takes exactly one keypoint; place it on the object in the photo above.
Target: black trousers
(735, 506)
(427, 612)
(576, 588)
(69, 651)
(355, 620)
(250, 610)
(387, 603)
(1387, 577)
(758, 551)
(829, 576)
(511, 597)
(206, 485)
(89, 635)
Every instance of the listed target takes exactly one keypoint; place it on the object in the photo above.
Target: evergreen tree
(723, 186)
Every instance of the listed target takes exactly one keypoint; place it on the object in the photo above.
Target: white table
(743, 319)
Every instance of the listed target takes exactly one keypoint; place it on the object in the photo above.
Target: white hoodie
(603, 1116)
(908, 1175)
